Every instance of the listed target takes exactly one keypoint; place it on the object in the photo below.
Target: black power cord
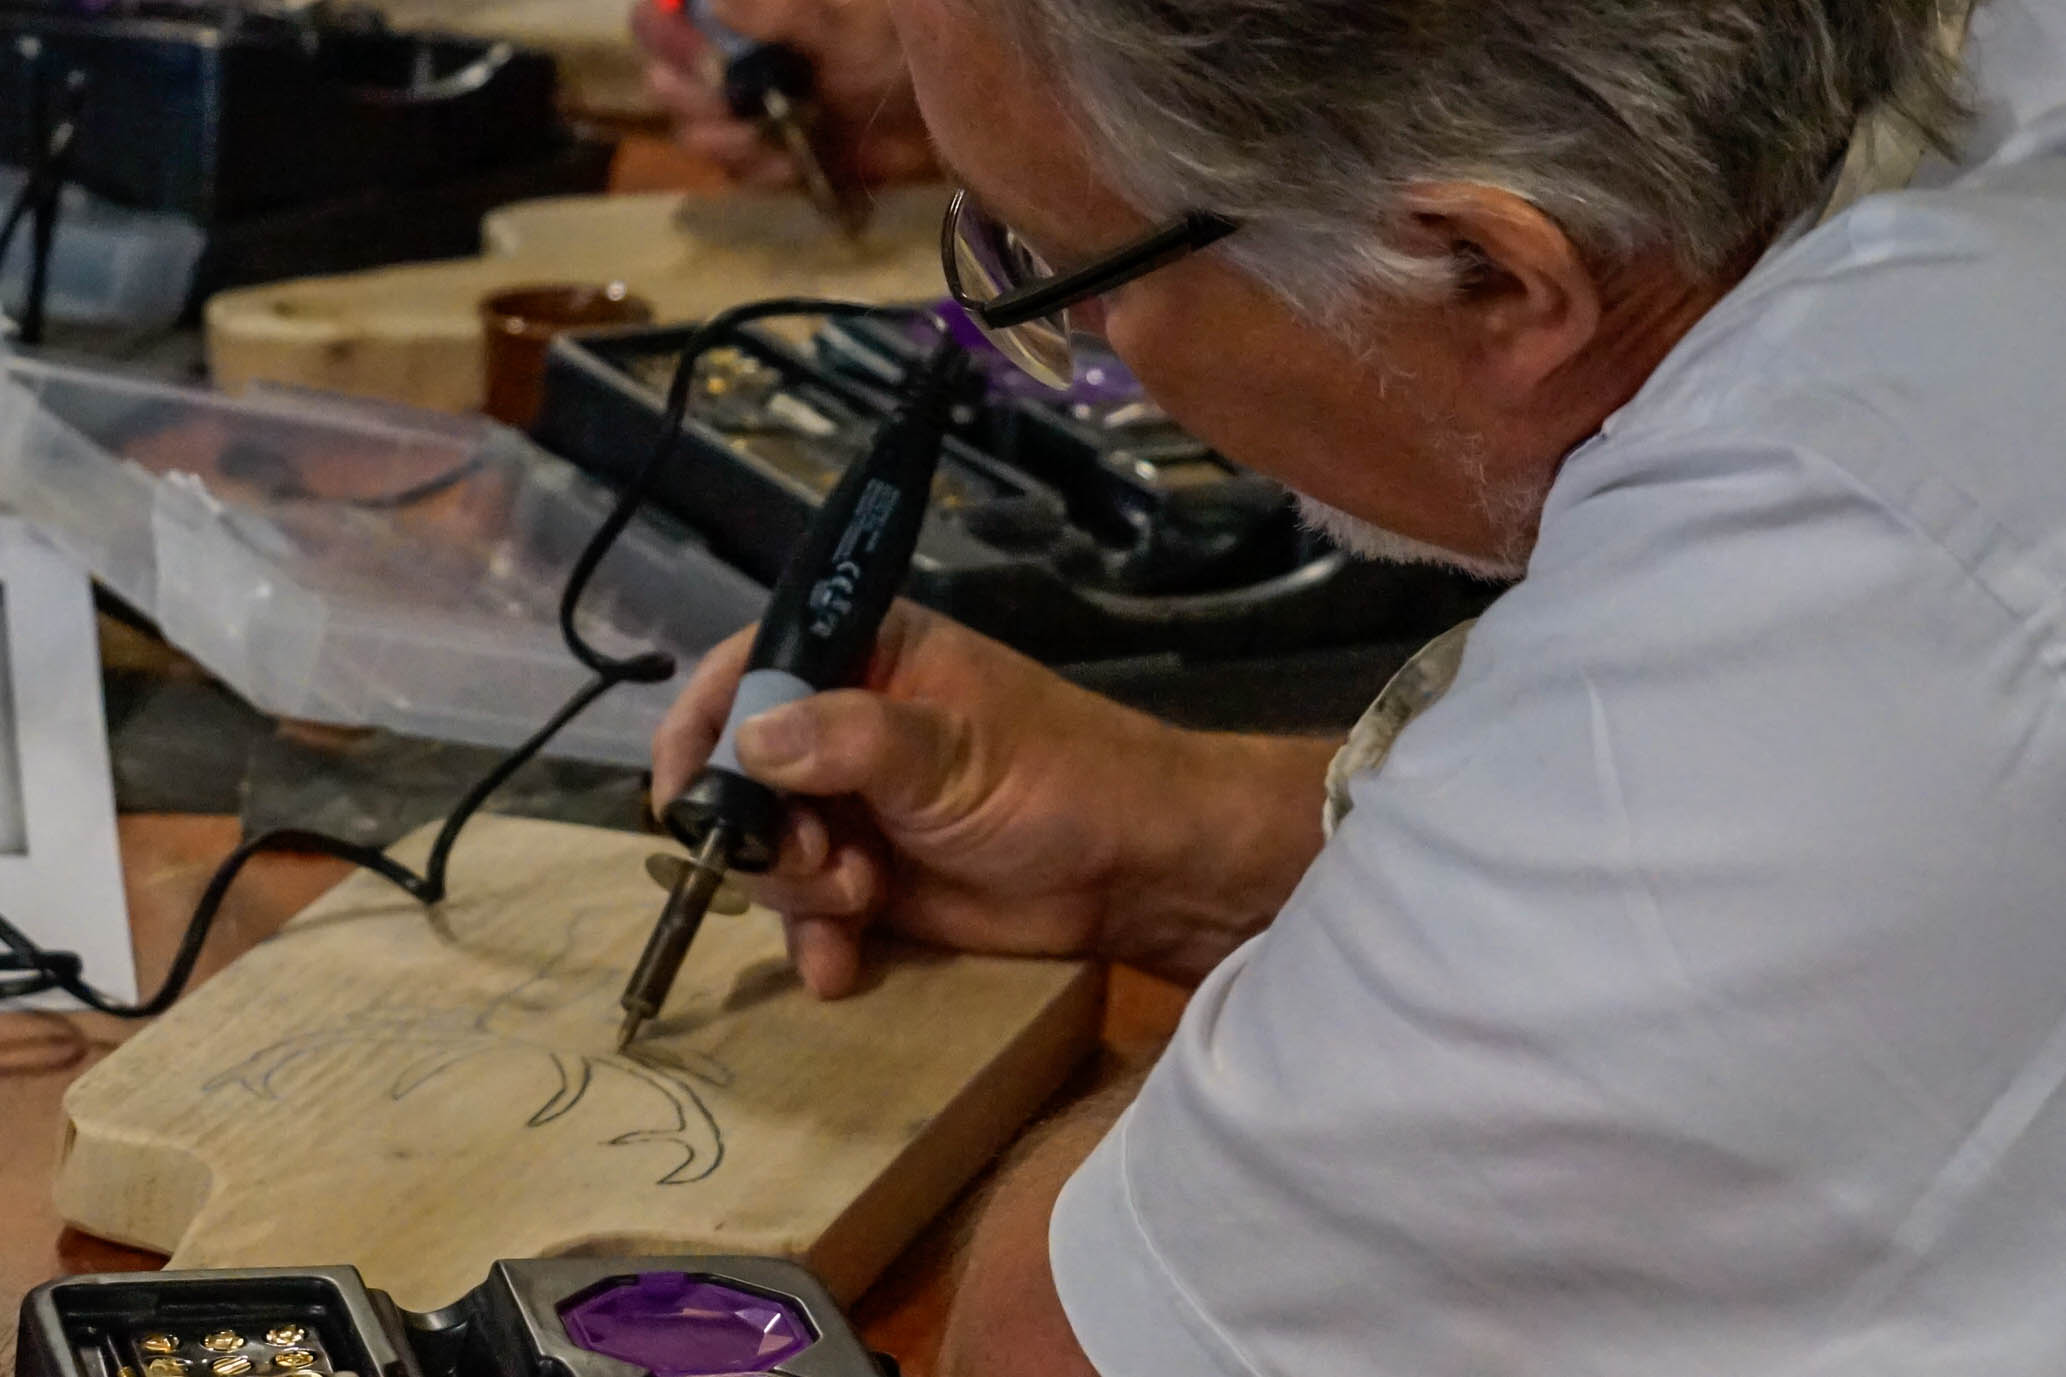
(61, 970)
(50, 144)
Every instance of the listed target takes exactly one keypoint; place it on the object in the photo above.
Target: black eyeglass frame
(1049, 296)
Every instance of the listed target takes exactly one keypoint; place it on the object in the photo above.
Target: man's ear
(1525, 303)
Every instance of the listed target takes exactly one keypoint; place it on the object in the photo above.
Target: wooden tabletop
(166, 861)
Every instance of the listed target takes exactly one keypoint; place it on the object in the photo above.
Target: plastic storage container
(108, 265)
(358, 564)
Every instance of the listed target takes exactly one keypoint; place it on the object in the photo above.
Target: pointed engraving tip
(628, 1030)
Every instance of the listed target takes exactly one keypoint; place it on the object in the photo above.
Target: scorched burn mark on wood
(438, 1040)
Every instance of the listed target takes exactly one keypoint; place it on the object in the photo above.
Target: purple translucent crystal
(676, 1325)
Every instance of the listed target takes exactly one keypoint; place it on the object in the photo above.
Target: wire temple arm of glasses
(1193, 232)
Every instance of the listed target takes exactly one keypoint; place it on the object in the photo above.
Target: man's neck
(1649, 305)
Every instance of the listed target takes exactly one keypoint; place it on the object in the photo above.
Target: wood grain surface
(166, 860)
(422, 1093)
(412, 333)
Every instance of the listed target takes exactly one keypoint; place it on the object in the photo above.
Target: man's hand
(970, 797)
(872, 127)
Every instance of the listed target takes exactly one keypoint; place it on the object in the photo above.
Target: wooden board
(412, 333)
(419, 1093)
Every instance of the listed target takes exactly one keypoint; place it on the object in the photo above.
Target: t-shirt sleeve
(1686, 995)
(1128, 1309)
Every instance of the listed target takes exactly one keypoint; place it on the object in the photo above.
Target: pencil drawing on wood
(437, 1040)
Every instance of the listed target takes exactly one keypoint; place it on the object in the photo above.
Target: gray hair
(1699, 127)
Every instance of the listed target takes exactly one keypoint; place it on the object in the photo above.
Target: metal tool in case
(590, 1317)
(1079, 526)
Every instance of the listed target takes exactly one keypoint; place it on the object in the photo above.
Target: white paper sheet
(60, 869)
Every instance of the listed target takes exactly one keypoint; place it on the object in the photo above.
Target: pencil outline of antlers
(455, 1035)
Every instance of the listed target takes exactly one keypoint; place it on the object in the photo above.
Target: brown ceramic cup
(519, 325)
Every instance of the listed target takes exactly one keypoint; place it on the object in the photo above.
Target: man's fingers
(689, 99)
(705, 124)
(904, 759)
(806, 842)
(670, 37)
(673, 36)
(826, 951)
(849, 883)
(782, 21)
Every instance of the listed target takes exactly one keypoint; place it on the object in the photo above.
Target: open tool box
(1075, 526)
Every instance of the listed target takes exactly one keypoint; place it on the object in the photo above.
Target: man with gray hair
(1684, 992)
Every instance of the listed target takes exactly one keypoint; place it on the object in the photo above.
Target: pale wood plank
(421, 1094)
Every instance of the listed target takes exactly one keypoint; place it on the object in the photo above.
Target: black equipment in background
(50, 110)
(300, 141)
(1077, 527)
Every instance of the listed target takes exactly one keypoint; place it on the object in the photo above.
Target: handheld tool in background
(773, 85)
(817, 634)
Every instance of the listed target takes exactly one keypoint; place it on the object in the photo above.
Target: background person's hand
(970, 797)
(871, 121)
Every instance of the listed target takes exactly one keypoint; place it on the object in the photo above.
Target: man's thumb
(901, 758)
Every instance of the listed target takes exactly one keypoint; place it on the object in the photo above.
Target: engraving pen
(817, 634)
(771, 84)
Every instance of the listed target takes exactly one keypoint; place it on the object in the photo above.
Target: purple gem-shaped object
(676, 1325)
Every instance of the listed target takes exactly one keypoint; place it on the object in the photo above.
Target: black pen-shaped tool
(817, 634)
(772, 85)
(679, 921)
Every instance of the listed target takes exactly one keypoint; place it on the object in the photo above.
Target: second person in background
(864, 93)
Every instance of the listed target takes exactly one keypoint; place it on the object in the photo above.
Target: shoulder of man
(1665, 1001)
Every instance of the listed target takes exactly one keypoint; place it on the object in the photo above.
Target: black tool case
(306, 141)
(1048, 531)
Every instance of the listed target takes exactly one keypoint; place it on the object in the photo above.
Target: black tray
(1056, 546)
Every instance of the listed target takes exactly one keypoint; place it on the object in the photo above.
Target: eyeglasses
(1022, 306)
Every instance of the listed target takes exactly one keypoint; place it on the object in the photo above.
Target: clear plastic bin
(108, 265)
(358, 564)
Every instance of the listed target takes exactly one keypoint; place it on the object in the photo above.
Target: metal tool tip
(629, 1029)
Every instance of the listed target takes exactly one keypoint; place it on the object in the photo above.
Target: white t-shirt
(1687, 993)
